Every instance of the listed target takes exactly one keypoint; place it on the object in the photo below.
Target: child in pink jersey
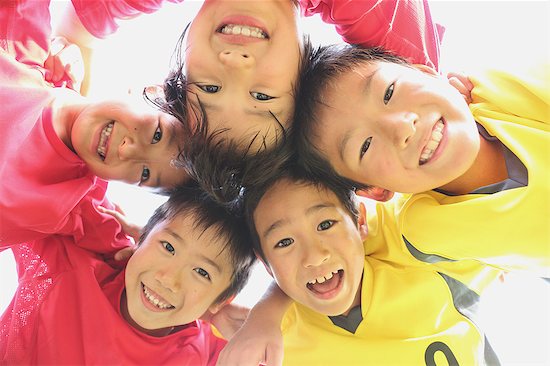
(72, 307)
(59, 147)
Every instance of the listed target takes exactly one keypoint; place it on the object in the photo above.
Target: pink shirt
(404, 27)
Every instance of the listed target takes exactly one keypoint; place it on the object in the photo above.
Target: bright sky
(478, 33)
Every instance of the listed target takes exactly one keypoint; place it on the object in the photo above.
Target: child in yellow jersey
(478, 173)
(351, 308)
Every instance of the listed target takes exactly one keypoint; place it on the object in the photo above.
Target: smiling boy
(242, 58)
(59, 147)
(72, 307)
(359, 294)
(475, 171)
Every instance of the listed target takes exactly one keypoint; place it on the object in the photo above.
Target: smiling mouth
(243, 30)
(102, 146)
(433, 144)
(325, 285)
(155, 299)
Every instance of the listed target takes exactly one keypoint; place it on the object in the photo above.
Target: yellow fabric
(407, 305)
(509, 229)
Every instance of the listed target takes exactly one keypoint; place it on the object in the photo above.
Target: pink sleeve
(404, 27)
(99, 16)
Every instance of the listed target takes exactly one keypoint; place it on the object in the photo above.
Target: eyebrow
(202, 256)
(171, 128)
(311, 210)
(249, 111)
(366, 89)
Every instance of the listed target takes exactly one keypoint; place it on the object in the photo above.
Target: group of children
(333, 122)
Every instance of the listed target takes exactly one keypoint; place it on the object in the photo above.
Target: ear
(266, 266)
(362, 221)
(154, 92)
(214, 308)
(375, 193)
(426, 69)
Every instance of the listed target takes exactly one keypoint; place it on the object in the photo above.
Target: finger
(113, 213)
(458, 85)
(119, 209)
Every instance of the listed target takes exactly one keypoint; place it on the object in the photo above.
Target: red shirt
(404, 27)
(66, 310)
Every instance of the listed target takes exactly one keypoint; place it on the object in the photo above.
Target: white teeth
(155, 301)
(243, 30)
(103, 138)
(431, 146)
(323, 278)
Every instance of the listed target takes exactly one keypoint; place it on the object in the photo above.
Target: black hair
(191, 200)
(289, 169)
(322, 69)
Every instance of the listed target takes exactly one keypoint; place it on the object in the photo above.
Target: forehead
(292, 199)
(184, 226)
(252, 126)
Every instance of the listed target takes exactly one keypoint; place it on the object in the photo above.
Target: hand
(461, 83)
(132, 230)
(253, 344)
(64, 65)
(228, 319)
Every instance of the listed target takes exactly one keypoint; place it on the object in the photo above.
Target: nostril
(245, 56)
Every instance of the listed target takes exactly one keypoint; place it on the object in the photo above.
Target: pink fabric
(66, 310)
(404, 27)
(66, 306)
(99, 16)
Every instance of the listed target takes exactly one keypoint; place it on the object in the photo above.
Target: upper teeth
(103, 138)
(154, 300)
(323, 278)
(431, 146)
(243, 30)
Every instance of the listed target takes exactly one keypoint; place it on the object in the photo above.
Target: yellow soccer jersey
(508, 228)
(413, 313)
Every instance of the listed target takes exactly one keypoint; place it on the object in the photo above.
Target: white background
(477, 34)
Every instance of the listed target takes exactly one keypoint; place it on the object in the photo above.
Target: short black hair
(323, 67)
(295, 173)
(191, 200)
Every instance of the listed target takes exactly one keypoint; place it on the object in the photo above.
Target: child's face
(242, 60)
(176, 274)
(313, 248)
(129, 141)
(397, 128)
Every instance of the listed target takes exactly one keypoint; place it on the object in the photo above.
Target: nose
(131, 149)
(315, 253)
(169, 277)
(236, 59)
(401, 127)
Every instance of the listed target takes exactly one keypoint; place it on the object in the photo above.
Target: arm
(403, 27)
(84, 22)
(260, 339)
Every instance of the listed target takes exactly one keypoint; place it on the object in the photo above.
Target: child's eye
(169, 248)
(202, 273)
(209, 88)
(365, 147)
(145, 174)
(325, 225)
(260, 96)
(284, 243)
(157, 136)
(389, 92)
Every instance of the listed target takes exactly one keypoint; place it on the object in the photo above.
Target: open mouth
(327, 285)
(103, 145)
(155, 299)
(433, 143)
(243, 30)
